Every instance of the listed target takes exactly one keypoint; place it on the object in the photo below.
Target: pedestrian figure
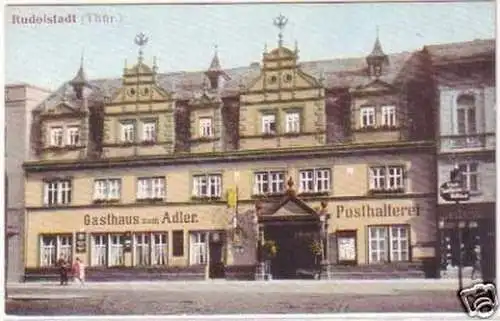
(63, 270)
(79, 271)
(476, 261)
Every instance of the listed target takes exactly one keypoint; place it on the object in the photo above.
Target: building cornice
(344, 150)
(247, 202)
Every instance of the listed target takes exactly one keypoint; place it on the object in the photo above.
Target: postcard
(250, 160)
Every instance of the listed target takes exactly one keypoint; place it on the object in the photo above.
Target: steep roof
(455, 51)
(337, 73)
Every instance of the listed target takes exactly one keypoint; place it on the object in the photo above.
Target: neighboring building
(465, 81)
(150, 169)
(20, 100)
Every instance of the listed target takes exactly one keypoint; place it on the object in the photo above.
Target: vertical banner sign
(81, 242)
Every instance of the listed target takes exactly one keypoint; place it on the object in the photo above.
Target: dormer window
(367, 117)
(389, 116)
(206, 127)
(73, 135)
(56, 136)
(269, 124)
(292, 122)
(127, 132)
(149, 131)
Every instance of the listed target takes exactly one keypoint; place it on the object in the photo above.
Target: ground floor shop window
(52, 247)
(388, 243)
(107, 249)
(198, 248)
(150, 249)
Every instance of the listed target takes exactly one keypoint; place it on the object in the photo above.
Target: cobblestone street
(231, 298)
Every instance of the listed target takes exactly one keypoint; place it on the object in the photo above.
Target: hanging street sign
(453, 192)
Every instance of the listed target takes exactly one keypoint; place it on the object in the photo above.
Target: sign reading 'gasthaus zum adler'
(385, 210)
(114, 219)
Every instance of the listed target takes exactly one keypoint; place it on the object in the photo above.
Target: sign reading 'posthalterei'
(367, 211)
(113, 219)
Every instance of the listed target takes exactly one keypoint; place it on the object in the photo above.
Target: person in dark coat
(63, 270)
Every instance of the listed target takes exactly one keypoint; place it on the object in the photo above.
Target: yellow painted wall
(201, 218)
(349, 177)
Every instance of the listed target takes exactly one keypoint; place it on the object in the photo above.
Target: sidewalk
(265, 286)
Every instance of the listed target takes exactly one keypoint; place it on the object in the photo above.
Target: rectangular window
(389, 116)
(272, 182)
(380, 238)
(207, 185)
(269, 124)
(73, 135)
(314, 181)
(52, 247)
(116, 247)
(57, 192)
(128, 132)
(160, 248)
(142, 245)
(387, 178)
(367, 115)
(178, 243)
(470, 176)
(99, 250)
(205, 127)
(151, 188)
(56, 136)
(292, 124)
(466, 121)
(198, 248)
(107, 189)
(149, 131)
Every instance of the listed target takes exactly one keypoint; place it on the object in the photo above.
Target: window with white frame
(292, 122)
(470, 176)
(387, 178)
(142, 253)
(99, 250)
(314, 181)
(205, 127)
(207, 185)
(128, 132)
(388, 244)
(367, 117)
(73, 135)
(116, 247)
(56, 136)
(151, 188)
(272, 182)
(198, 248)
(389, 116)
(160, 248)
(57, 192)
(52, 247)
(269, 124)
(107, 189)
(466, 115)
(149, 131)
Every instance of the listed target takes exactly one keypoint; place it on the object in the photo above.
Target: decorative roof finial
(81, 58)
(155, 66)
(141, 40)
(296, 47)
(280, 22)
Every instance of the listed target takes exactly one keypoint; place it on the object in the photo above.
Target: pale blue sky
(183, 36)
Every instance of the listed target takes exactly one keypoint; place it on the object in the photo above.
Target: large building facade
(193, 175)
(20, 100)
(465, 84)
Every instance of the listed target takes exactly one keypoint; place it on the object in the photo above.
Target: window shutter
(471, 119)
(46, 193)
(195, 185)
